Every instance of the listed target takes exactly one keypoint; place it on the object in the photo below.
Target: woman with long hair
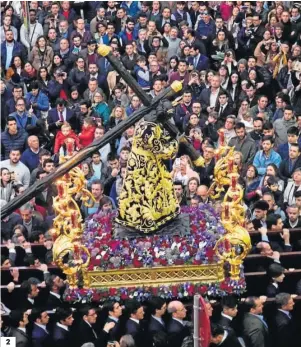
(43, 79)
(77, 75)
(7, 185)
(266, 49)
(41, 54)
(251, 182)
(191, 188)
(57, 63)
(273, 20)
(185, 52)
(118, 114)
(74, 100)
(166, 29)
(234, 87)
(88, 171)
(172, 65)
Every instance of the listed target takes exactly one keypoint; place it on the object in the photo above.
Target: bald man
(202, 193)
(30, 157)
(177, 329)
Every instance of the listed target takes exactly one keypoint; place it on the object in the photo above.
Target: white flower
(98, 256)
(156, 249)
(135, 293)
(103, 253)
(185, 293)
(175, 245)
(202, 244)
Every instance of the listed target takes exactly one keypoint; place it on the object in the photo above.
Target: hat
(261, 205)
(275, 270)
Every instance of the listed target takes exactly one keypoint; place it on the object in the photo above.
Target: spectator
(243, 143)
(12, 138)
(30, 157)
(266, 156)
(29, 37)
(18, 170)
(10, 48)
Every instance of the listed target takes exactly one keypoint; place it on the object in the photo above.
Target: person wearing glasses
(26, 120)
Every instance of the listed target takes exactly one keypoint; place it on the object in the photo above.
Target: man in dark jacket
(19, 321)
(17, 49)
(287, 167)
(40, 335)
(86, 332)
(177, 329)
(62, 336)
(134, 324)
(222, 337)
(243, 143)
(156, 323)
(12, 138)
(255, 329)
(114, 311)
(284, 333)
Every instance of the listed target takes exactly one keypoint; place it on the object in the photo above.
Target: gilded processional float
(151, 246)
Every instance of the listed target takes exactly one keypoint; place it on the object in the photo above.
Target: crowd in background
(240, 63)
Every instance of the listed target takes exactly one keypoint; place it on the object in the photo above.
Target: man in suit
(19, 321)
(287, 167)
(31, 290)
(229, 306)
(40, 334)
(209, 96)
(283, 325)
(59, 115)
(292, 137)
(158, 309)
(177, 329)
(255, 329)
(223, 108)
(86, 332)
(133, 325)
(62, 336)
(114, 311)
(55, 285)
(197, 60)
(223, 338)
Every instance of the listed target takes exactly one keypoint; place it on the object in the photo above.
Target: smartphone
(111, 344)
(177, 162)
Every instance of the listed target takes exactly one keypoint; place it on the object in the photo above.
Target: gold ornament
(68, 252)
(234, 246)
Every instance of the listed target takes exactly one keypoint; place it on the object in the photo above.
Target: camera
(60, 73)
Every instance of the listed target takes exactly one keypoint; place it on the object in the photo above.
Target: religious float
(149, 246)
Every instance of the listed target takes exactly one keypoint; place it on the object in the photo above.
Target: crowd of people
(240, 64)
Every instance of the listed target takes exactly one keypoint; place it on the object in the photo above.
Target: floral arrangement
(185, 290)
(155, 250)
